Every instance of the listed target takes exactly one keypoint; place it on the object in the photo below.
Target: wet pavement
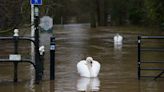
(74, 42)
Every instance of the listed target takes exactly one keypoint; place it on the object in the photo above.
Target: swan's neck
(118, 37)
(89, 65)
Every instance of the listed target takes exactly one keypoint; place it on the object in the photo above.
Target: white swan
(88, 67)
(118, 39)
(88, 84)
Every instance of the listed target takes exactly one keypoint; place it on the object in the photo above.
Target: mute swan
(88, 84)
(88, 67)
(118, 39)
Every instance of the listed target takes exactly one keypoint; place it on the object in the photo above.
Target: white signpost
(33, 2)
(35, 33)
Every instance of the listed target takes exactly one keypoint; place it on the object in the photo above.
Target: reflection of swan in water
(118, 46)
(118, 39)
(88, 84)
(88, 67)
(118, 52)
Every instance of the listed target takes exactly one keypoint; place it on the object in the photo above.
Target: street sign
(15, 57)
(46, 23)
(36, 2)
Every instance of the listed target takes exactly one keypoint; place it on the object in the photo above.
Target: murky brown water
(74, 43)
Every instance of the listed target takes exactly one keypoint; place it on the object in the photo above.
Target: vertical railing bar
(139, 57)
(15, 38)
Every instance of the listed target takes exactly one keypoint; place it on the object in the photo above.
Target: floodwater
(74, 42)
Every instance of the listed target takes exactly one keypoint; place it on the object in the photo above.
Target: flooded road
(74, 42)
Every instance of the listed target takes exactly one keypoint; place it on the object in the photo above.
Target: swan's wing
(96, 68)
(115, 38)
(80, 66)
(120, 38)
(83, 69)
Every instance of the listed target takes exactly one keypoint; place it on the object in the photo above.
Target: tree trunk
(93, 23)
(100, 12)
(92, 19)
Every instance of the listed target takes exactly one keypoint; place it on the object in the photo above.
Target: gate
(145, 47)
(15, 57)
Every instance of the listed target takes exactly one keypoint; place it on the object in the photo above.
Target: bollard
(52, 58)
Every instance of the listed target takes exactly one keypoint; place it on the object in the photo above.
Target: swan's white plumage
(88, 71)
(118, 39)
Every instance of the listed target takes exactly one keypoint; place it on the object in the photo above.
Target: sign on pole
(36, 2)
(46, 23)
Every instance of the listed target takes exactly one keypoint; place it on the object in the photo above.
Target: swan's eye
(91, 62)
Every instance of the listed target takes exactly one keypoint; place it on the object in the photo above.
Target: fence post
(139, 57)
(16, 38)
(52, 58)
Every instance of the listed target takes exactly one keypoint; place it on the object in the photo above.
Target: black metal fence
(14, 49)
(148, 56)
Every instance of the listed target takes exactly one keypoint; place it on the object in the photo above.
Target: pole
(32, 31)
(52, 86)
(52, 58)
(38, 74)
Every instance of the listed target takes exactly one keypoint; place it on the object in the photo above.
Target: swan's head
(117, 34)
(89, 60)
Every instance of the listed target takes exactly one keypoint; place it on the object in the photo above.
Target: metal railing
(16, 40)
(140, 60)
